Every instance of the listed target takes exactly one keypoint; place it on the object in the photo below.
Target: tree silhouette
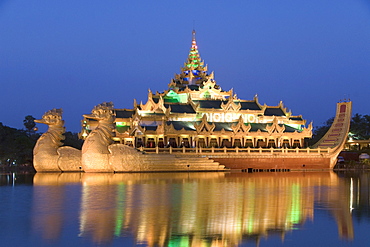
(29, 123)
(320, 131)
(359, 128)
(15, 147)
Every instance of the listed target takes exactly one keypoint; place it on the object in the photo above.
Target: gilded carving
(231, 105)
(95, 153)
(125, 159)
(241, 127)
(48, 155)
(204, 126)
(275, 127)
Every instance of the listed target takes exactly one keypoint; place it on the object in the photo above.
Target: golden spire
(194, 72)
(194, 61)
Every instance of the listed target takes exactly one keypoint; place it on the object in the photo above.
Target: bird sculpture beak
(39, 121)
(91, 116)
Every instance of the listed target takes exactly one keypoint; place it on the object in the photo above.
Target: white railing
(236, 150)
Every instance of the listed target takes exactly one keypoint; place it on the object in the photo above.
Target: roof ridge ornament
(204, 126)
(275, 127)
(240, 127)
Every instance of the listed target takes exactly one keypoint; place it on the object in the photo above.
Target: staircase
(338, 132)
(172, 162)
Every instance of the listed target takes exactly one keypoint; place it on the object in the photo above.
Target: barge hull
(275, 163)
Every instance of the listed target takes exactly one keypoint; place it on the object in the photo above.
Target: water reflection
(190, 209)
(49, 198)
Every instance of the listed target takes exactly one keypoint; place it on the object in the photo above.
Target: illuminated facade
(195, 112)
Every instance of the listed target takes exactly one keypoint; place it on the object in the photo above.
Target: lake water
(185, 209)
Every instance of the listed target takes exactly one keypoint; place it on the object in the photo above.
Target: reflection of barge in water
(196, 118)
(200, 209)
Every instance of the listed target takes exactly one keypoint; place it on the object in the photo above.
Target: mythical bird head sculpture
(52, 118)
(53, 137)
(95, 152)
(102, 113)
(101, 136)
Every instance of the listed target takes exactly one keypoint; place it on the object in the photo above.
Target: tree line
(359, 128)
(16, 145)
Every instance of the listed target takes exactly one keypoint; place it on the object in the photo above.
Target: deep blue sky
(77, 54)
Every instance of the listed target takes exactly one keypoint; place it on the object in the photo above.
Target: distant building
(356, 145)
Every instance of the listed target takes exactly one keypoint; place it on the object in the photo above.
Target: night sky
(77, 54)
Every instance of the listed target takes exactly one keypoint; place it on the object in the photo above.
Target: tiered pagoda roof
(194, 99)
(194, 73)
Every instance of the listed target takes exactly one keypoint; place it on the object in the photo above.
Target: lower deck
(258, 158)
(275, 164)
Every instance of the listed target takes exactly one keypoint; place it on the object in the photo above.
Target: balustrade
(236, 150)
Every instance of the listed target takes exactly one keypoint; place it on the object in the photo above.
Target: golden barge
(194, 125)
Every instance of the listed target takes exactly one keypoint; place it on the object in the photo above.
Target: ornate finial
(194, 67)
(194, 71)
(194, 47)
